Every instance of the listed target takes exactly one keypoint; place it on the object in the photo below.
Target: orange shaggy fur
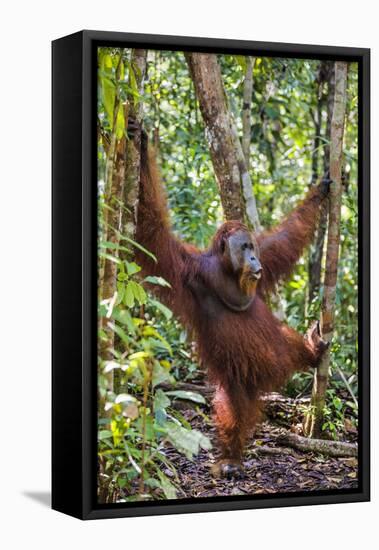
(248, 352)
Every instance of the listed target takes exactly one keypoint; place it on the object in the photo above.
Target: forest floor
(269, 467)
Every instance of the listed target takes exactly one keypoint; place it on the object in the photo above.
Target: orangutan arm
(175, 259)
(282, 247)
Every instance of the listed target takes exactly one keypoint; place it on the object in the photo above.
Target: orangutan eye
(244, 246)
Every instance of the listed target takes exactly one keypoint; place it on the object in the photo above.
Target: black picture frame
(74, 333)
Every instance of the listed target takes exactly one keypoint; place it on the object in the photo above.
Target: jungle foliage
(149, 350)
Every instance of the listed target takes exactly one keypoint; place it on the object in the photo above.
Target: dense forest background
(153, 396)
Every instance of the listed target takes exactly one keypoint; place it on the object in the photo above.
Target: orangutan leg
(233, 425)
(305, 351)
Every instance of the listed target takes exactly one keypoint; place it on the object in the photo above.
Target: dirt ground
(269, 467)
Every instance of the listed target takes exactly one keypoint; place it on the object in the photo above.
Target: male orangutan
(219, 294)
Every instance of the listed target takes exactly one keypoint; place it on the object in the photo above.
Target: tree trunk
(326, 75)
(133, 161)
(121, 200)
(114, 185)
(246, 109)
(130, 199)
(335, 196)
(226, 151)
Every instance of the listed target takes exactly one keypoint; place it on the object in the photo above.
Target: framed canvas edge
(86, 507)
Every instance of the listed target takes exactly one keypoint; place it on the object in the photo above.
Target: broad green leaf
(161, 401)
(122, 481)
(104, 434)
(108, 61)
(123, 316)
(160, 375)
(108, 95)
(166, 485)
(189, 395)
(120, 293)
(186, 441)
(165, 310)
(125, 398)
(138, 292)
(156, 281)
(129, 295)
(120, 123)
(112, 365)
(132, 268)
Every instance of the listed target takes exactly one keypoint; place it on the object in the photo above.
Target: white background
(27, 29)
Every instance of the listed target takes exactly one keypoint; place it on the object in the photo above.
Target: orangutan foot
(229, 469)
(314, 337)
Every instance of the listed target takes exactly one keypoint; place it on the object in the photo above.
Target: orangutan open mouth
(256, 275)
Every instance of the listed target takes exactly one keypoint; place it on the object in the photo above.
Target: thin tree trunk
(246, 109)
(226, 151)
(121, 199)
(326, 75)
(130, 199)
(335, 196)
(129, 205)
(114, 184)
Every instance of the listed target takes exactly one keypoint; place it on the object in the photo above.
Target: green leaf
(156, 281)
(153, 483)
(110, 257)
(125, 398)
(188, 395)
(112, 365)
(104, 434)
(161, 401)
(132, 268)
(138, 292)
(120, 123)
(271, 112)
(107, 61)
(129, 295)
(120, 293)
(241, 60)
(122, 481)
(122, 277)
(139, 246)
(112, 246)
(165, 310)
(166, 485)
(108, 95)
(160, 375)
(121, 334)
(186, 441)
(123, 316)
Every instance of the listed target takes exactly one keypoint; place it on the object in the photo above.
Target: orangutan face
(243, 254)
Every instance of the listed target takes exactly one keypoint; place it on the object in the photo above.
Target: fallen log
(273, 451)
(322, 446)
